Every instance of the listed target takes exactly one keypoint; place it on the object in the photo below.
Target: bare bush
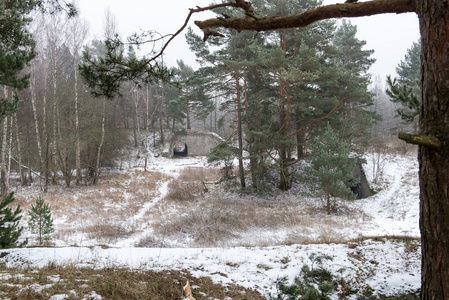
(392, 145)
(217, 220)
(199, 174)
(207, 222)
(106, 231)
(191, 184)
(184, 191)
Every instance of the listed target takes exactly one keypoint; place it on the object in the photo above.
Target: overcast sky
(390, 35)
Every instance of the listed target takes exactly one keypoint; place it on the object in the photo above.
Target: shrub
(312, 283)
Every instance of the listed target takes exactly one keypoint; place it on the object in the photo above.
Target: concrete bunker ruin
(193, 143)
(362, 189)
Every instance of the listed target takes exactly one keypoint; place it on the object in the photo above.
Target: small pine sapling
(315, 282)
(330, 170)
(224, 155)
(9, 224)
(41, 221)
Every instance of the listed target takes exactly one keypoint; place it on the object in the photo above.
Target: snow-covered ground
(372, 244)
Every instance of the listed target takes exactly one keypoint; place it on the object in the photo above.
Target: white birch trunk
(55, 117)
(23, 180)
(77, 132)
(4, 188)
(100, 146)
(8, 170)
(36, 123)
(79, 33)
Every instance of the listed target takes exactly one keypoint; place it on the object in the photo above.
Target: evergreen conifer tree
(17, 47)
(9, 224)
(16, 50)
(330, 171)
(354, 119)
(41, 221)
(406, 89)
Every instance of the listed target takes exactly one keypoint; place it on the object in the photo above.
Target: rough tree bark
(310, 16)
(434, 114)
(434, 162)
(239, 129)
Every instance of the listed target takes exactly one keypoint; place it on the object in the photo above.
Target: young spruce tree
(330, 171)
(41, 221)
(9, 224)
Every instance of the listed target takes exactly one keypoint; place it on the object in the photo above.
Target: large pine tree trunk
(189, 126)
(239, 129)
(239, 118)
(284, 117)
(434, 163)
(283, 153)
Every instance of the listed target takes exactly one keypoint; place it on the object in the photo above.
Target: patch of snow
(388, 266)
(251, 267)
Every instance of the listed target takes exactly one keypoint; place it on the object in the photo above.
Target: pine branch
(343, 10)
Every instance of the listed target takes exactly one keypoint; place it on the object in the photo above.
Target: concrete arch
(194, 143)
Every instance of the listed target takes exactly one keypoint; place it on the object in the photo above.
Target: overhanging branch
(343, 10)
(421, 140)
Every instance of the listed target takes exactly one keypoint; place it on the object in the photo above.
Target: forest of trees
(263, 72)
(284, 86)
(60, 132)
(268, 94)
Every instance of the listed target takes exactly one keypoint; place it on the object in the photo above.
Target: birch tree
(78, 32)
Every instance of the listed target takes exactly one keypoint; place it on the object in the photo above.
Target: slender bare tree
(78, 31)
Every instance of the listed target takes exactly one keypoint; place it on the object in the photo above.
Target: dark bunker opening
(177, 152)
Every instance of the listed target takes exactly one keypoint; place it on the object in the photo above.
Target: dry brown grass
(393, 145)
(79, 283)
(107, 231)
(194, 212)
(207, 222)
(214, 219)
(96, 210)
(185, 191)
(199, 174)
(191, 184)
